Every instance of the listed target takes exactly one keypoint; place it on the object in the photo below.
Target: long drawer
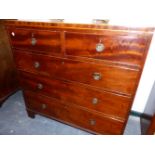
(71, 93)
(38, 41)
(72, 114)
(107, 77)
(108, 45)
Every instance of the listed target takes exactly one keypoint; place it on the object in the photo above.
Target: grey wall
(150, 105)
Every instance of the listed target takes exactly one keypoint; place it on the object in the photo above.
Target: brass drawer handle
(100, 47)
(44, 106)
(33, 41)
(94, 101)
(40, 86)
(36, 64)
(92, 122)
(97, 76)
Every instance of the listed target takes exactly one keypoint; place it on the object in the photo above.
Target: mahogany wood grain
(118, 48)
(76, 26)
(47, 42)
(116, 79)
(72, 114)
(108, 103)
(8, 73)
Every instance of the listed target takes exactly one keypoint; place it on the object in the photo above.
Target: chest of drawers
(83, 75)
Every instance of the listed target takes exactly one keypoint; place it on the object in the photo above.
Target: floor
(14, 121)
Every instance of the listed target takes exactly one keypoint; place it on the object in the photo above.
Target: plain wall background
(146, 83)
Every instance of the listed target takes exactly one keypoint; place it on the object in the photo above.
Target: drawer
(103, 76)
(39, 41)
(72, 93)
(129, 48)
(72, 115)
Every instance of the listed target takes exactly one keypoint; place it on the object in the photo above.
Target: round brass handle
(40, 86)
(44, 106)
(100, 47)
(94, 101)
(33, 41)
(92, 122)
(97, 76)
(13, 34)
(36, 64)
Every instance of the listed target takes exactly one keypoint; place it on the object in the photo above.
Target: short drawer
(72, 115)
(107, 77)
(129, 48)
(73, 93)
(39, 41)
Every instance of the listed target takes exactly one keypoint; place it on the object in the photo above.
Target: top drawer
(41, 41)
(126, 48)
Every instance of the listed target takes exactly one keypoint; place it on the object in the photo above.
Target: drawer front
(71, 93)
(39, 41)
(129, 48)
(72, 114)
(111, 78)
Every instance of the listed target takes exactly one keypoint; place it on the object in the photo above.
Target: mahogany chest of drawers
(83, 75)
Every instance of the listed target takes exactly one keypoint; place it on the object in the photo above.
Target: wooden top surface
(43, 24)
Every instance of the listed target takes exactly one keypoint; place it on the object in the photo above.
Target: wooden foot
(31, 114)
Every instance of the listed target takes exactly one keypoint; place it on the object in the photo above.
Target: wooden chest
(83, 75)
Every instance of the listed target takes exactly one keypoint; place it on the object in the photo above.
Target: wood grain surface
(46, 41)
(106, 103)
(72, 114)
(8, 73)
(115, 79)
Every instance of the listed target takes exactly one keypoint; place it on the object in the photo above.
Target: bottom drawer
(72, 114)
